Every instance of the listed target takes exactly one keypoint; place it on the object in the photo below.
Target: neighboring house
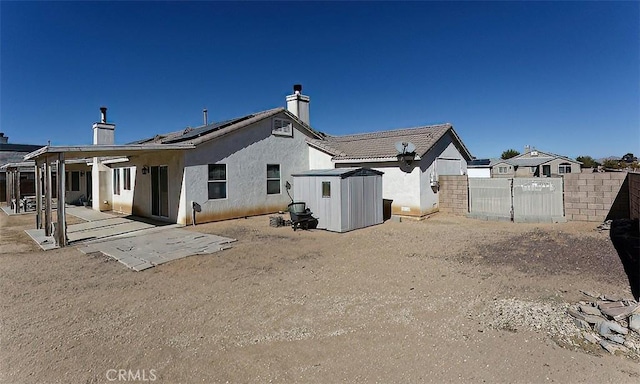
(479, 168)
(412, 186)
(534, 163)
(12, 163)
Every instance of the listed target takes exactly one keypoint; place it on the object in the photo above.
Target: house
(534, 163)
(17, 177)
(479, 168)
(228, 169)
(409, 182)
(239, 167)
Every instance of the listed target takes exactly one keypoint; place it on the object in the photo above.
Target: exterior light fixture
(145, 169)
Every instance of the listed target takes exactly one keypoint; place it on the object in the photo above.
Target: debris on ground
(613, 322)
(606, 226)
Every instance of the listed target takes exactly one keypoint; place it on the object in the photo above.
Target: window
(564, 168)
(116, 181)
(282, 127)
(72, 181)
(546, 170)
(127, 178)
(273, 179)
(502, 169)
(217, 181)
(75, 181)
(326, 189)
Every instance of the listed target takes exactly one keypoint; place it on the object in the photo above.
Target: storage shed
(343, 199)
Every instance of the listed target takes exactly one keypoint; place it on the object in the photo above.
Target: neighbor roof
(381, 145)
(208, 132)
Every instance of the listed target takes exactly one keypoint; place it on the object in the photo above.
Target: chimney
(3, 139)
(527, 149)
(298, 104)
(204, 116)
(103, 132)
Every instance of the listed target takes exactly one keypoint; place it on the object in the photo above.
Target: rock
(591, 319)
(615, 338)
(608, 327)
(634, 322)
(618, 312)
(609, 304)
(590, 337)
(590, 310)
(629, 344)
(581, 324)
(611, 347)
(590, 294)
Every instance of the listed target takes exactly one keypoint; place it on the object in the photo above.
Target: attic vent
(534, 153)
(187, 130)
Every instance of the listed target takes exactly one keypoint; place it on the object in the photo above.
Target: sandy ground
(447, 299)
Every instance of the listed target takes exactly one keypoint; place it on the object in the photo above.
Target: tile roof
(377, 145)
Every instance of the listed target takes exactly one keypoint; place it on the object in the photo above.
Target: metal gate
(518, 199)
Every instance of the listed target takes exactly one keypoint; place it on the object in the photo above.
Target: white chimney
(103, 132)
(205, 117)
(298, 104)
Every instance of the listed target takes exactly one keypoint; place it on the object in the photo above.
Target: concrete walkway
(137, 243)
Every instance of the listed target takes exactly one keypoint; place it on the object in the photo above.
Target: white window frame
(282, 127)
(564, 168)
(219, 181)
(503, 169)
(274, 179)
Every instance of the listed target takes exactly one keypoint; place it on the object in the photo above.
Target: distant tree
(629, 158)
(611, 164)
(587, 162)
(509, 153)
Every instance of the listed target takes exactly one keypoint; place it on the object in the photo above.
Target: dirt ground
(447, 299)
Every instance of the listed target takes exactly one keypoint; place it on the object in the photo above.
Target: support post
(47, 197)
(38, 195)
(16, 185)
(61, 230)
(9, 187)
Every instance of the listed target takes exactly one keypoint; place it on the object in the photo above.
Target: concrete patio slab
(147, 250)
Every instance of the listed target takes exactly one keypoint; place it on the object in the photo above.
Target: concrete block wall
(634, 195)
(454, 195)
(595, 196)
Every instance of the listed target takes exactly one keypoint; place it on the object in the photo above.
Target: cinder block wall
(634, 195)
(454, 195)
(595, 196)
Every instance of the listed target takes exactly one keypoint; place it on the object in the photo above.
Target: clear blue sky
(561, 76)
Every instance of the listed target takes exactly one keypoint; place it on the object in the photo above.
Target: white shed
(343, 199)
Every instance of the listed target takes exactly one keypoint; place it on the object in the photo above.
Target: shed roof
(340, 172)
(381, 145)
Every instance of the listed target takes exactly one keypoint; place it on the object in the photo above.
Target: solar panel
(197, 132)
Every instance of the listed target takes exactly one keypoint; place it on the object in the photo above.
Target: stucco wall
(595, 196)
(246, 154)
(319, 159)
(123, 202)
(454, 195)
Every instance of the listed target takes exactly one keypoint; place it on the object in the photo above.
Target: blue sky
(561, 76)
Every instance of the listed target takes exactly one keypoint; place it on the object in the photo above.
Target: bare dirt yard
(447, 299)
